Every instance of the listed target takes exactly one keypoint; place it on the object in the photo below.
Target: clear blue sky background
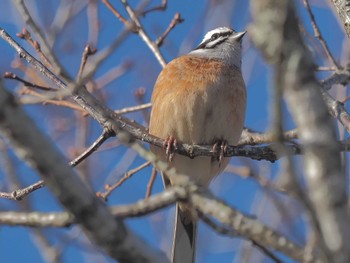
(17, 244)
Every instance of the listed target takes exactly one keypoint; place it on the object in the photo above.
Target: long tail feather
(184, 242)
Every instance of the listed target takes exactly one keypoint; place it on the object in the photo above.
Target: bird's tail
(185, 235)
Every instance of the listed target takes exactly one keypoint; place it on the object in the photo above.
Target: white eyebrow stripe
(212, 44)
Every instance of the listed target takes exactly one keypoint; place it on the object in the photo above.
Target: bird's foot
(219, 147)
(170, 145)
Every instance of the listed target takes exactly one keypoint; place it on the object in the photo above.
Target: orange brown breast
(198, 101)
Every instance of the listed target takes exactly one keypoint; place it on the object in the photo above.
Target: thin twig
(134, 108)
(176, 20)
(160, 7)
(10, 75)
(91, 68)
(320, 68)
(46, 72)
(127, 23)
(48, 250)
(152, 45)
(19, 194)
(151, 183)
(115, 12)
(319, 36)
(35, 44)
(112, 74)
(93, 147)
(127, 175)
(23, 10)
(88, 51)
(250, 137)
(36, 97)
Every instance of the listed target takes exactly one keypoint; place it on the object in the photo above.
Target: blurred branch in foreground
(280, 41)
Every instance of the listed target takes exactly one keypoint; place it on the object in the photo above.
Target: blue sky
(106, 166)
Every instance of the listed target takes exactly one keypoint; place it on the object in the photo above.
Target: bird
(199, 98)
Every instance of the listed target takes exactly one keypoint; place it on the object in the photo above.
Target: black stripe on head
(216, 39)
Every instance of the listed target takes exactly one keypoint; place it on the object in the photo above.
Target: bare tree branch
(219, 214)
(342, 7)
(176, 20)
(33, 147)
(341, 76)
(92, 148)
(141, 32)
(161, 7)
(279, 39)
(319, 36)
(110, 120)
(22, 9)
(253, 138)
(65, 219)
(19, 194)
(134, 108)
(127, 175)
(200, 199)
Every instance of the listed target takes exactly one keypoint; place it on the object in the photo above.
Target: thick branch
(32, 146)
(66, 219)
(112, 121)
(199, 198)
(280, 40)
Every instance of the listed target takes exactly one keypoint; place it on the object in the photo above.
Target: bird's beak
(239, 35)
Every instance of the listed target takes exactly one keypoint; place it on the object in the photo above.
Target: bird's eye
(215, 36)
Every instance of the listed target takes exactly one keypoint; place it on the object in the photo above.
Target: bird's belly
(206, 118)
(201, 119)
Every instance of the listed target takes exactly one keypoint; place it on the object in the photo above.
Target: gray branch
(343, 10)
(32, 146)
(116, 123)
(279, 39)
(199, 198)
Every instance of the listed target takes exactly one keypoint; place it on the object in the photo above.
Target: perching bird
(199, 98)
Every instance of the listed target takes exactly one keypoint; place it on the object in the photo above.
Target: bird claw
(170, 145)
(220, 147)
